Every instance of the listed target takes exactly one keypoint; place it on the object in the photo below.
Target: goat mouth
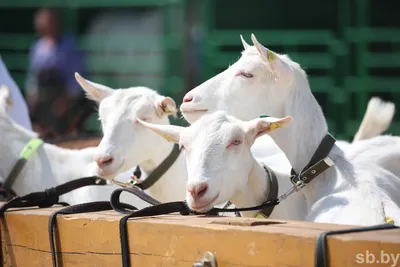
(205, 207)
(110, 174)
(190, 110)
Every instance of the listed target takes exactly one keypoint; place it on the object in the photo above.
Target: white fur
(377, 119)
(49, 166)
(231, 172)
(130, 143)
(244, 98)
(351, 192)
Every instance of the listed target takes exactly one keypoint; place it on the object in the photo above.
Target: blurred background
(349, 48)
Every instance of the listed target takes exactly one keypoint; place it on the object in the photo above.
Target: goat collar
(158, 172)
(27, 152)
(319, 163)
(272, 192)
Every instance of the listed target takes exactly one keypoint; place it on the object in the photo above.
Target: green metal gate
(349, 48)
(332, 40)
(152, 59)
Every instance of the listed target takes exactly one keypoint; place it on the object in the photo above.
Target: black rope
(48, 197)
(115, 204)
(80, 208)
(159, 209)
(321, 255)
(125, 208)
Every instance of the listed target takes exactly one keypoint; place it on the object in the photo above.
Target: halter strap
(272, 193)
(319, 163)
(26, 153)
(159, 171)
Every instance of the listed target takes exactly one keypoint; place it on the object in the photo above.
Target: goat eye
(143, 119)
(246, 74)
(234, 143)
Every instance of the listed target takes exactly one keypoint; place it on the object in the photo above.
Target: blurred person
(19, 109)
(51, 86)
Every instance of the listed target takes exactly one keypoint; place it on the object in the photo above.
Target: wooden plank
(92, 239)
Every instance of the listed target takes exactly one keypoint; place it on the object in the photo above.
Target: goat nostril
(108, 161)
(202, 190)
(198, 191)
(104, 161)
(187, 98)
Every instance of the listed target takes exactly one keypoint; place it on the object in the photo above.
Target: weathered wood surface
(92, 239)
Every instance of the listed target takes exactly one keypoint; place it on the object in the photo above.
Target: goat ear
(258, 127)
(245, 45)
(94, 91)
(171, 133)
(5, 98)
(281, 70)
(166, 105)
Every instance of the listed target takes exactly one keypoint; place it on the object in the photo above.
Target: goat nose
(103, 161)
(198, 190)
(187, 98)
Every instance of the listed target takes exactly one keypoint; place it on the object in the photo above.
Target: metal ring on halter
(134, 180)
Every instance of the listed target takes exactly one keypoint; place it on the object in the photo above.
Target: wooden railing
(92, 239)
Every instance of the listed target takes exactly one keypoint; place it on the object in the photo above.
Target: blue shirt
(65, 56)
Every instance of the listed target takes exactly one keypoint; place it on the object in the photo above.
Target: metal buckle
(208, 260)
(133, 181)
(295, 188)
(98, 181)
(227, 204)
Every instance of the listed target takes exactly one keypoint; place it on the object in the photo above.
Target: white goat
(127, 143)
(347, 193)
(50, 165)
(221, 167)
(240, 91)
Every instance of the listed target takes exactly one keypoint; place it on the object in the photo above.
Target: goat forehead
(250, 63)
(212, 129)
(251, 51)
(251, 55)
(127, 107)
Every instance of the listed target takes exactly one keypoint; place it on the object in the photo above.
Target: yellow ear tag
(389, 220)
(271, 56)
(9, 101)
(166, 137)
(274, 126)
(170, 109)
